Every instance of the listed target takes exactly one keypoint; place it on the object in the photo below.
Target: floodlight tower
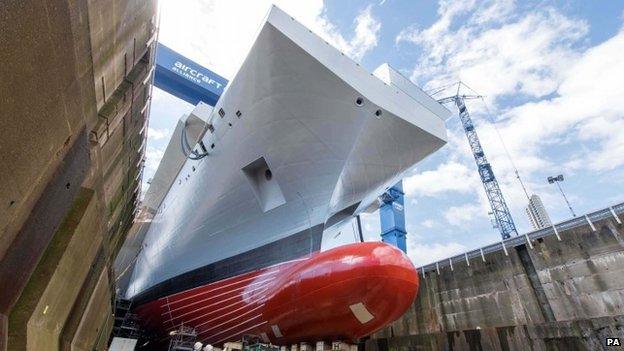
(556, 180)
(501, 213)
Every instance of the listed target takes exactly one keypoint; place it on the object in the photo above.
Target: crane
(502, 216)
(392, 217)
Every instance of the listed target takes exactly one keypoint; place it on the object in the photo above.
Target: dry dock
(75, 87)
(563, 294)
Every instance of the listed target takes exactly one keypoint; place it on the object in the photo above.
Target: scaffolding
(126, 324)
(183, 339)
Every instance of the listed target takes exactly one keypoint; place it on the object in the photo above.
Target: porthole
(378, 113)
(268, 174)
(359, 101)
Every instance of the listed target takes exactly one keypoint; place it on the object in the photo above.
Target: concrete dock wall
(74, 95)
(558, 295)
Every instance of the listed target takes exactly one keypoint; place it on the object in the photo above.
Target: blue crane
(392, 217)
(502, 216)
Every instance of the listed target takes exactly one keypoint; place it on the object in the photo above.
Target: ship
(254, 221)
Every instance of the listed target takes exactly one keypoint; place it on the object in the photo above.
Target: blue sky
(551, 72)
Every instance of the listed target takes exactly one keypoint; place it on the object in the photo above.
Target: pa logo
(613, 342)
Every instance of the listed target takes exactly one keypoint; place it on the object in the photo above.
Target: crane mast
(502, 216)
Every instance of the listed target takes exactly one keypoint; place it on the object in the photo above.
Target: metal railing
(587, 219)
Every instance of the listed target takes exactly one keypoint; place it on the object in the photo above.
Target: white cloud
(152, 158)
(218, 34)
(608, 135)
(560, 100)
(464, 214)
(365, 38)
(449, 176)
(527, 55)
(158, 134)
(423, 253)
(428, 223)
(584, 120)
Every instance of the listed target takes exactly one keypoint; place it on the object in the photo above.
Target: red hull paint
(307, 299)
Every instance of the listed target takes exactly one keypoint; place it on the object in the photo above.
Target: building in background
(537, 213)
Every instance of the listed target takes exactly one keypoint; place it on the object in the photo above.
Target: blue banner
(186, 79)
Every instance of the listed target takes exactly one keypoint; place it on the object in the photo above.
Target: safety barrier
(527, 238)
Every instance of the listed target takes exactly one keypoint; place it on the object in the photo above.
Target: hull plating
(293, 110)
(302, 140)
(344, 293)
